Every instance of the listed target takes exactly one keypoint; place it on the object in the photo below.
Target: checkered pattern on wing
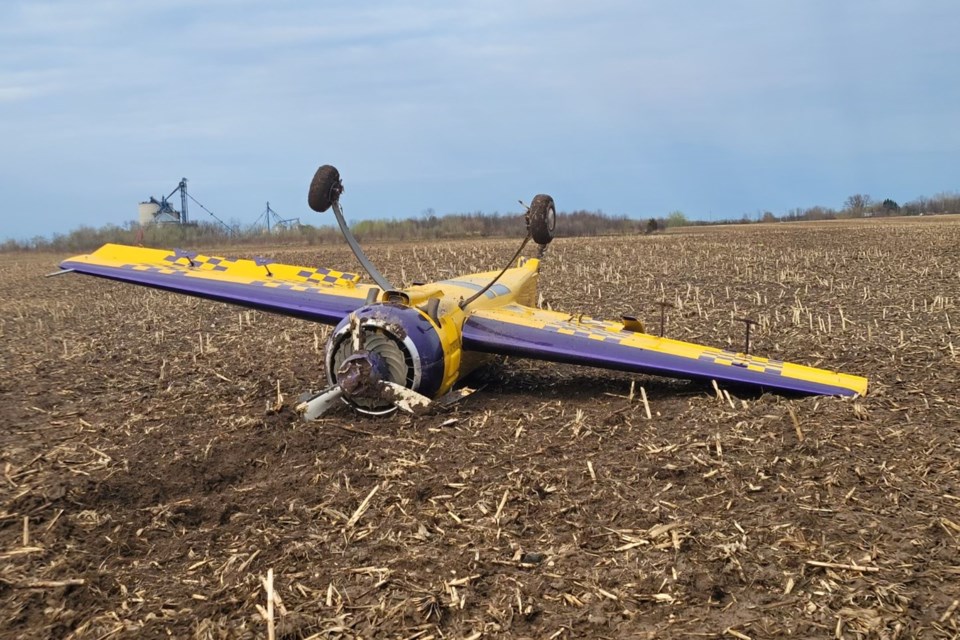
(328, 277)
(279, 284)
(597, 331)
(733, 359)
(197, 261)
(173, 269)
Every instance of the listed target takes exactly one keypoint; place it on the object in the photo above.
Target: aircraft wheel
(325, 188)
(542, 219)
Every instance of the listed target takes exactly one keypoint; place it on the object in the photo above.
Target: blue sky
(714, 108)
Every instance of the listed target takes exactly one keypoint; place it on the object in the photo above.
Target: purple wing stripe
(303, 303)
(494, 336)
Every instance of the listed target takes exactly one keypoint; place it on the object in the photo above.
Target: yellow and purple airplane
(406, 347)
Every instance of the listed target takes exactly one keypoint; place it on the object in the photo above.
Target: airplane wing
(321, 295)
(559, 337)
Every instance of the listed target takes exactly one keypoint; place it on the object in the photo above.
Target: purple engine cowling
(402, 337)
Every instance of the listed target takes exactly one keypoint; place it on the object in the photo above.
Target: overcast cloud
(640, 108)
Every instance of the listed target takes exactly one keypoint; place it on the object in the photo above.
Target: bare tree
(857, 203)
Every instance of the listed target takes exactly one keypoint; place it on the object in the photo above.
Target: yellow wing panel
(325, 295)
(550, 335)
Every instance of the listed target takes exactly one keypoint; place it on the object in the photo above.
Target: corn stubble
(156, 480)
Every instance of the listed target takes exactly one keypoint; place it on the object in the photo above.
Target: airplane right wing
(526, 332)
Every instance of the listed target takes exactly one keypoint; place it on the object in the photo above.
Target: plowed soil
(154, 473)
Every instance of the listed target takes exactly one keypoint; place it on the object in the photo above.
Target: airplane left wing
(526, 332)
(321, 295)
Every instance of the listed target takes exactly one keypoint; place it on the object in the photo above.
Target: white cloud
(15, 93)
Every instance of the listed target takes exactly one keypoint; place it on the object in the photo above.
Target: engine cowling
(386, 341)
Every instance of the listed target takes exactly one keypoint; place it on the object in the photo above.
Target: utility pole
(183, 200)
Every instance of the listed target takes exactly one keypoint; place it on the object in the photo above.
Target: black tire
(325, 188)
(542, 219)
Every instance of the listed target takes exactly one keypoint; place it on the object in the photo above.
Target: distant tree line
(481, 225)
(861, 205)
(430, 226)
(427, 227)
(201, 234)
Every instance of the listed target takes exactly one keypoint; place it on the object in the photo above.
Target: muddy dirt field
(155, 475)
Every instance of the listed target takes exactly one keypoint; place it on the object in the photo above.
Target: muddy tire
(542, 219)
(325, 189)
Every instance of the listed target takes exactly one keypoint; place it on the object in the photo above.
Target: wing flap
(321, 295)
(548, 335)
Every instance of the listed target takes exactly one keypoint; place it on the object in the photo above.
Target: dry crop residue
(154, 472)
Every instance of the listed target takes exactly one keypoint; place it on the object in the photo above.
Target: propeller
(313, 407)
(367, 369)
(406, 399)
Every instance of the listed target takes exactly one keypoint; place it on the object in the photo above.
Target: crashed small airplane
(404, 348)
